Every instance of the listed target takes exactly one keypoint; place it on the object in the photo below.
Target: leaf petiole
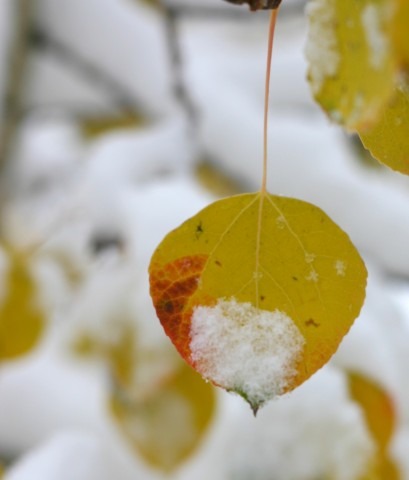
(273, 21)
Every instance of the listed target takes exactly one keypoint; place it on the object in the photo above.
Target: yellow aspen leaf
(256, 291)
(166, 426)
(388, 139)
(159, 403)
(352, 61)
(86, 346)
(401, 32)
(119, 352)
(380, 415)
(388, 469)
(122, 356)
(377, 406)
(215, 181)
(98, 126)
(21, 318)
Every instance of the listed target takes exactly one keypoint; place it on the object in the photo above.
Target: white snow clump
(321, 48)
(375, 37)
(245, 349)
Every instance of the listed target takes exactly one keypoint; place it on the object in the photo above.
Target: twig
(228, 12)
(179, 87)
(14, 89)
(123, 99)
(41, 40)
(258, 4)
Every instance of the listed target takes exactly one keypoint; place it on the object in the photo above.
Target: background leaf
(21, 318)
(159, 403)
(379, 411)
(400, 31)
(265, 255)
(388, 139)
(93, 127)
(352, 62)
(166, 425)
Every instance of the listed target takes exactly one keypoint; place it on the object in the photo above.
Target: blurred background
(119, 119)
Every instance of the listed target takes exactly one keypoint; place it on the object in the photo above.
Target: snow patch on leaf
(321, 48)
(376, 39)
(245, 349)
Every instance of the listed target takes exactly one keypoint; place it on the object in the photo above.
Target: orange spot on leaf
(171, 287)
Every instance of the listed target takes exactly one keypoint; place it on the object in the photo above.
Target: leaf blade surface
(266, 254)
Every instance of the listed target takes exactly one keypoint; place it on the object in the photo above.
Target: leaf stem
(263, 190)
(273, 21)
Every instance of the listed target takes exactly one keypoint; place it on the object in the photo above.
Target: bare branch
(179, 87)
(258, 4)
(16, 75)
(41, 41)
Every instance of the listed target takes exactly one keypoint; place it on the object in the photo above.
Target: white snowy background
(129, 187)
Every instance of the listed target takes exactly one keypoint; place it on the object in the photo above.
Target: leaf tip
(255, 405)
(255, 408)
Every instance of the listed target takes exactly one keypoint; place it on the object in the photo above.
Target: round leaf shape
(256, 291)
(352, 61)
(388, 139)
(166, 425)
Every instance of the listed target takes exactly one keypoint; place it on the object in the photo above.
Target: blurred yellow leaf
(74, 274)
(165, 425)
(122, 357)
(352, 62)
(388, 470)
(215, 181)
(380, 416)
(86, 346)
(119, 352)
(388, 139)
(377, 406)
(157, 4)
(96, 126)
(160, 404)
(21, 318)
(401, 32)
(256, 291)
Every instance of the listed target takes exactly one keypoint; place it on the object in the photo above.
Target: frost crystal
(312, 276)
(309, 257)
(242, 348)
(280, 222)
(340, 268)
(321, 49)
